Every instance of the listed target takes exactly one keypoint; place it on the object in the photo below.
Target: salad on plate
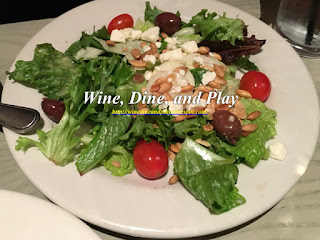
(135, 95)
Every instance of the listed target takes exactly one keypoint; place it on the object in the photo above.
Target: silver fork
(16, 118)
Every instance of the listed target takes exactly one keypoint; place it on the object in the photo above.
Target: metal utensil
(18, 119)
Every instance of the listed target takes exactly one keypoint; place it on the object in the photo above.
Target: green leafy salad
(188, 107)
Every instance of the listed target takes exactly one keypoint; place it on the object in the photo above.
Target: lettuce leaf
(151, 14)
(194, 37)
(102, 143)
(197, 74)
(143, 127)
(229, 52)
(122, 74)
(59, 144)
(121, 155)
(218, 29)
(50, 72)
(118, 47)
(208, 176)
(252, 148)
(200, 17)
(88, 40)
(191, 128)
(245, 63)
(143, 26)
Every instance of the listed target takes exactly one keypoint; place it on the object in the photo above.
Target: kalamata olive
(168, 22)
(53, 109)
(227, 126)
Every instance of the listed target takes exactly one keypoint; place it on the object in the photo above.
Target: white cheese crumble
(175, 108)
(174, 55)
(198, 60)
(202, 103)
(151, 35)
(136, 34)
(146, 48)
(158, 44)
(208, 77)
(181, 81)
(117, 36)
(176, 89)
(182, 72)
(277, 151)
(150, 58)
(126, 32)
(190, 47)
(172, 42)
(148, 75)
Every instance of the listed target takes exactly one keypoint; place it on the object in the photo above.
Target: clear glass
(299, 22)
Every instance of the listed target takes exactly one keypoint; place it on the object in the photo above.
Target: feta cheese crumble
(158, 44)
(171, 42)
(174, 55)
(190, 47)
(150, 58)
(136, 34)
(208, 77)
(175, 108)
(151, 35)
(148, 75)
(117, 36)
(277, 151)
(198, 60)
(146, 48)
(202, 103)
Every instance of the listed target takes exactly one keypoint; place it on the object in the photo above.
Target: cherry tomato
(120, 22)
(150, 159)
(53, 109)
(257, 84)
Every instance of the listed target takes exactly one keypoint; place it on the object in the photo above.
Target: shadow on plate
(206, 237)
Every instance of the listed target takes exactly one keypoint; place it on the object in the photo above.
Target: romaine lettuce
(143, 127)
(208, 176)
(151, 14)
(50, 72)
(102, 143)
(143, 26)
(121, 155)
(252, 148)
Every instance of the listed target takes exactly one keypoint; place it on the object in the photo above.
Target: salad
(134, 95)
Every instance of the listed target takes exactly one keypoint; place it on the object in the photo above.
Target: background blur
(17, 11)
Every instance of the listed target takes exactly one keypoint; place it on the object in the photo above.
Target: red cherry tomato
(150, 159)
(257, 84)
(120, 22)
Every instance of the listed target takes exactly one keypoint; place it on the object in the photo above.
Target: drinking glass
(299, 22)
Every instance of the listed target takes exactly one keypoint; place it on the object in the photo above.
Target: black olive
(53, 109)
(168, 22)
(227, 126)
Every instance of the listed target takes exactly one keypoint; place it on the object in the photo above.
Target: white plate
(135, 206)
(30, 218)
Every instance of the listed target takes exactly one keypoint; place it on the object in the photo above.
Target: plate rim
(135, 233)
(51, 207)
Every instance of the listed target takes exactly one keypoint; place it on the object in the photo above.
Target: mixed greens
(91, 135)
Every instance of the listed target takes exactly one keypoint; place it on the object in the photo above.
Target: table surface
(297, 216)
